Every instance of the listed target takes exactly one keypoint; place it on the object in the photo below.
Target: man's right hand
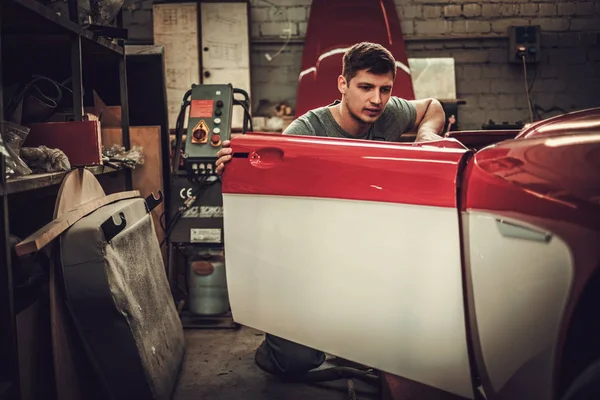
(223, 156)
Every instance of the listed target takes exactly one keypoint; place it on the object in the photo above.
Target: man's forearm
(433, 121)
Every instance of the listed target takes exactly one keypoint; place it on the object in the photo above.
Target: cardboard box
(81, 141)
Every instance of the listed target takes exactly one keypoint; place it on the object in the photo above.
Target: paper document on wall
(176, 28)
(225, 49)
(433, 77)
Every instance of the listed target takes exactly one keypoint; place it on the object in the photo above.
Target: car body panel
(352, 248)
(479, 139)
(580, 121)
(521, 279)
(333, 26)
(550, 184)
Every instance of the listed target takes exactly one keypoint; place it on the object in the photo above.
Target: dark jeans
(291, 358)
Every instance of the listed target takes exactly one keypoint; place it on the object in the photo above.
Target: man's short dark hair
(372, 57)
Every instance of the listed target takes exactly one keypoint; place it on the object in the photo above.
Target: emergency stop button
(215, 140)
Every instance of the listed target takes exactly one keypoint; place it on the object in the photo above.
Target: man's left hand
(427, 136)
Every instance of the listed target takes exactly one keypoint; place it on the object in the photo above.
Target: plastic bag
(12, 137)
(129, 158)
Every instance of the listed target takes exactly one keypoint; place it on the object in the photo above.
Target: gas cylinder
(207, 285)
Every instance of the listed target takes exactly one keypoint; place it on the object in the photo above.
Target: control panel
(524, 42)
(209, 124)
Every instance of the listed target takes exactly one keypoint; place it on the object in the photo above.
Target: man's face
(366, 95)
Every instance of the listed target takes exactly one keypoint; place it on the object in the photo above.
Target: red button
(216, 139)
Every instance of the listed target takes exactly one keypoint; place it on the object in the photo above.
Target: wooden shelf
(36, 181)
(276, 40)
(27, 17)
(436, 38)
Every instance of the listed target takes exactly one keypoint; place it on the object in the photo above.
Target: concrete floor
(219, 365)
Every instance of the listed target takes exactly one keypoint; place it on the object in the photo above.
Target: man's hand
(427, 136)
(223, 156)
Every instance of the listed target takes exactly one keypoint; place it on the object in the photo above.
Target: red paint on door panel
(346, 169)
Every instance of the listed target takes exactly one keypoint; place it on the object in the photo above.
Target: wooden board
(78, 187)
(110, 116)
(78, 195)
(28, 348)
(148, 177)
(65, 218)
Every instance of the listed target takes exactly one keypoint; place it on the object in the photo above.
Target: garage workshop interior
(299, 199)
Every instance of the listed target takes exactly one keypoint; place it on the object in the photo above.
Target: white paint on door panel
(376, 283)
(520, 287)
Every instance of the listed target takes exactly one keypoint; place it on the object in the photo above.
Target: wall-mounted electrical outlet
(524, 41)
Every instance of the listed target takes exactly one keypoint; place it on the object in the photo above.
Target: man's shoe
(263, 359)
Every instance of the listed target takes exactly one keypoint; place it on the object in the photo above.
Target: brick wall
(473, 32)
(568, 76)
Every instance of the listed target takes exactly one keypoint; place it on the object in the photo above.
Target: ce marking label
(185, 193)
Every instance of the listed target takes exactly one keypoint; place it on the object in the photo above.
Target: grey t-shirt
(398, 117)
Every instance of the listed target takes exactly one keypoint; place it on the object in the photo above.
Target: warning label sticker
(204, 212)
(205, 236)
(201, 125)
(202, 108)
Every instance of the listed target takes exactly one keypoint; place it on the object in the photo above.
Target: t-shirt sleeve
(300, 127)
(403, 112)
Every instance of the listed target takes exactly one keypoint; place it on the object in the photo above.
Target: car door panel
(350, 247)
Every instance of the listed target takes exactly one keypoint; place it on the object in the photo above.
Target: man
(366, 111)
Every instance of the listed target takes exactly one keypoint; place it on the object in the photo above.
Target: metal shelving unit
(29, 32)
(30, 17)
(9, 367)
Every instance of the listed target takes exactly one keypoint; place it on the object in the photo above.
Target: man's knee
(293, 358)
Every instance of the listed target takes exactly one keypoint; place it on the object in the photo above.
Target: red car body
(468, 264)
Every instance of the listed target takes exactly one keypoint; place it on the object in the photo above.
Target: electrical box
(209, 125)
(524, 41)
(202, 223)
